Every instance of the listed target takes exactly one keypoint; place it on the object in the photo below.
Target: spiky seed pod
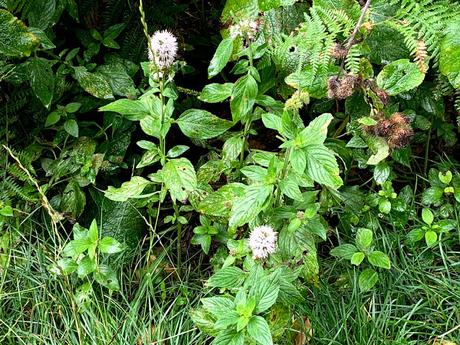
(383, 96)
(399, 119)
(400, 137)
(341, 89)
(383, 128)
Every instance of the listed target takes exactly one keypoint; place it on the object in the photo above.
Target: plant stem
(179, 238)
(287, 157)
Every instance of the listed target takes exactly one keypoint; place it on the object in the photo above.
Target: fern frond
(353, 58)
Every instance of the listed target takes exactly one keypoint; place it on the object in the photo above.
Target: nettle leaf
(215, 93)
(228, 277)
(322, 166)
(400, 76)
(449, 58)
(130, 189)
(93, 83)
(247, 207)
(367, 279)
(180, 178)
(15, 39)
(243, 96)
(221, 57)
(259, 330)
(201, 124)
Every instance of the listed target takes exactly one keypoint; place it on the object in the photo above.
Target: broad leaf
(449, 59)
(15, 39)
(179, 178)
(345, 251)
(322, 166)
(215, 93)
(367, 279)
(259, 330)
(93, 83)
(379, 259)
(243, 97)
(220, 202)
(228, 277)
(221, 57)
(201, 124)
(41, 79)
(131, 109)
(130, 189)
(400, 76)
(247, 207)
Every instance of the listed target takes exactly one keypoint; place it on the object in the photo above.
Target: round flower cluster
(262, 241)
(245, 28)
(163, 49)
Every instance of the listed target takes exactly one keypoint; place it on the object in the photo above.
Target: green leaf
(449, 57)
(345, 251)
(180, 178)
(76, 247)
(176, 151)
(265, 292)
(379, 259)
(427, 216)
(400, 76)
(41, 13)
(201, 124)
(430, 238)
(415, 235)
(110, 245)
(218, 306)
(93, 233)
(215, 93)
(446, 177)
(86, 266)
(53, 118)
(290, 188)
(385, 206)
(357, 258)
(221, 57)
(107, 277)
(266, 5)
(229, 337)
(71, 127)
(243, 97)
(381, 172)
(220, 202)
(316, 131)
(131, 109)
(93, 83)
(367, 279)
(381, 151)
(67, 265)
(15, 39)
(322, 166)
(364, 238)
(247, 207)
(118, 78)
(232, 148)
(41, 78)
(72, 107)
(130, 189)
(259, 330)
(73, 199)
(228, 277)
(298, 160)
(204, 240)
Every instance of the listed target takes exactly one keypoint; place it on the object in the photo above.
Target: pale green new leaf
(129, 189)
(259, 330)
(215, 93)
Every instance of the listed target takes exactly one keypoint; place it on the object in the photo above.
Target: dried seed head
(400, 137)
(383, 128)
(399, 119)
(341, 89)
(339, 51)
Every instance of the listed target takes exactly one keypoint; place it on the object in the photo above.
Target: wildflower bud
(163, 49)
(262, 241)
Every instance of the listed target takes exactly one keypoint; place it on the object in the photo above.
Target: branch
(358, 25)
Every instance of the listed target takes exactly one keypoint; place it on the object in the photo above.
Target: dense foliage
(266, 172)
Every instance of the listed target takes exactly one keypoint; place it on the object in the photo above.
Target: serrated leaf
(322, 166)
(259, 330)
(367, 279)
(345, 251)
(109, 245)
(364, 238)
(247, 207)
(220, 202)
(357, 258)
(243, 98)
(221, 57)
(93, 83)
(15, 39)
(215, 93)
(129, 189)
(379, 259)
(400, 76)
(86, 266)
(228, 277)
(218, 306)
(180, 178)
(41, 78)
(71, 127)
(131, 109)
(201, 124)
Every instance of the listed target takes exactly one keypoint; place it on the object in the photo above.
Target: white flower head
(245, 28)
(163, 49)
(262, 241)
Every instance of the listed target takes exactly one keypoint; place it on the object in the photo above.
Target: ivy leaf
(215, 93)
(259, 330)
(221, 57)
(367, 279)
(129, 189)
(179, 177)
(246, 208)
(201, 124)
(400, 76)
(228, 277)
(243, 97)
(15, 39)
(41, 79)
